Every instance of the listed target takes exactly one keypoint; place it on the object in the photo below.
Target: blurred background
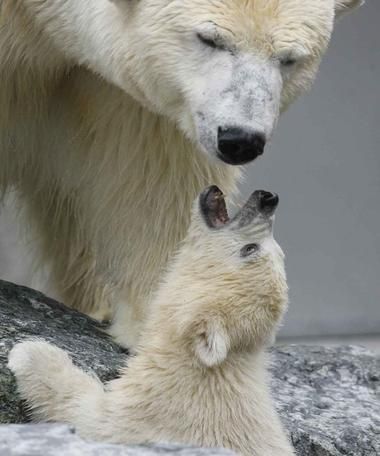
(324, 161)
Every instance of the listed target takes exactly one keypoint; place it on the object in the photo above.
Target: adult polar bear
(114, 115)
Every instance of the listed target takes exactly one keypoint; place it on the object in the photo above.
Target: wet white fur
(109, 117)
(199, 376)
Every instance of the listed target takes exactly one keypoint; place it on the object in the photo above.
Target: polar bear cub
(199, 376)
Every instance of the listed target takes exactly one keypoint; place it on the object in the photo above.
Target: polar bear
(115, 114)
(199, 376)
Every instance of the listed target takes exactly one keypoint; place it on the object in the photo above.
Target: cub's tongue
(213, 207)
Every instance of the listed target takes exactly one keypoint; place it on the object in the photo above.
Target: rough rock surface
(329, 399)
(25, 313)
(58, 439)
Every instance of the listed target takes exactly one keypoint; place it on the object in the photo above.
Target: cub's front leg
(54, 389)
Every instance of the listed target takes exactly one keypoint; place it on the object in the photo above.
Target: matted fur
(109, 114)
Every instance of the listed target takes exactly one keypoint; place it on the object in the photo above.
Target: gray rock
(24, 314)
(329, 398)
(58, 439)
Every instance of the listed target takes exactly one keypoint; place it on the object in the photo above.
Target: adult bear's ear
(211, 343)
(344, 6)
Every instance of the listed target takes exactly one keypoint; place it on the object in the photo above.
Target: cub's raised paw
(49, 382)
(38, 367)
(35, 356)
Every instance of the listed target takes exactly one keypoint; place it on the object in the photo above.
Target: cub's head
(223, 70)
(227, 283)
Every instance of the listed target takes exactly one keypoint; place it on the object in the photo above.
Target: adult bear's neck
(166, 170)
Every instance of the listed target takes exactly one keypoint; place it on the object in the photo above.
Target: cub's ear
(211, 343)
(344, 6)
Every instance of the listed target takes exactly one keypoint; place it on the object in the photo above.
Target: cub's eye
(208, 41)
(288, 62)
(249, 249)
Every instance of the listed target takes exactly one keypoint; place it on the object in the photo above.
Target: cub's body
(199, 376)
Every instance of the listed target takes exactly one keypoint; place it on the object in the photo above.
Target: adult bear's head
(223, 70)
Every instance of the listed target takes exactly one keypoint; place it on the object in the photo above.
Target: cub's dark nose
(267, 201)
(237, 146)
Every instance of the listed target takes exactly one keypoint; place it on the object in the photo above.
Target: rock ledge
(53, 439)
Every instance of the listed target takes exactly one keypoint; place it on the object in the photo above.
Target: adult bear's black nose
(237, 146)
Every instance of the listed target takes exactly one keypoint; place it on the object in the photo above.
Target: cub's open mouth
(214, 211)
(213, 207)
